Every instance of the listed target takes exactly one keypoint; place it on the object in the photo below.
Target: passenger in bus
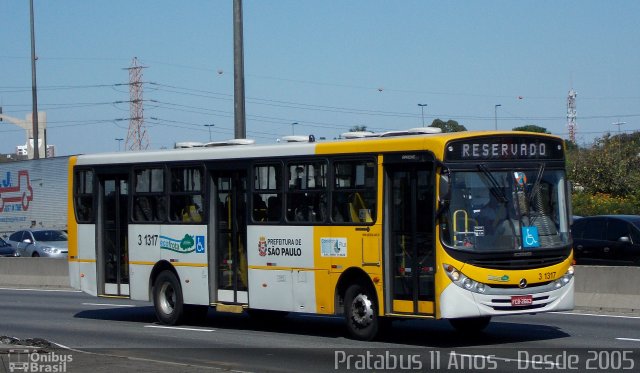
(484, 209)
(143, 210)
(274, 208)
(259, 208)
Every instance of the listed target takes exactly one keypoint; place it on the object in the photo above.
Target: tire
(470, 324)
(361, 312)
(35, 254)
(167, 299)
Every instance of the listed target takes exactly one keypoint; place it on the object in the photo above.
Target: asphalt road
(106, 335)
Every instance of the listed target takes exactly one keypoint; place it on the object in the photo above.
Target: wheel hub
(167, 298)
(362, 310)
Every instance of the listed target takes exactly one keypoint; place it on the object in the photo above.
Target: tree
(358, 129)
(532, 128)
(448, 126)
(611, 166)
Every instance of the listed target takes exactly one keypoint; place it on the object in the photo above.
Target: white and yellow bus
(411, 224)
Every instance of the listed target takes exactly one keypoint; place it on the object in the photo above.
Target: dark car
(6, 249)
(607, 240)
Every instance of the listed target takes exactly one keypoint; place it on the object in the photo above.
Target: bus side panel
(139, 275)
(184, 246)
(304, 291)
(281, 268)
(86, 243)
(271, 289)
(195, 284)
(74, 274)
(142, 257)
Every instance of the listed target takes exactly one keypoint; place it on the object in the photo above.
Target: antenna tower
(571, 115)
(137, 137)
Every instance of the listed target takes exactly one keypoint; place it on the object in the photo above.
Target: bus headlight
(463, 281)
(562, 281)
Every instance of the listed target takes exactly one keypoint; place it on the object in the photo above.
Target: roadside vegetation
(606, 175)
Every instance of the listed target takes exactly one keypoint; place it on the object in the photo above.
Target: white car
(40, 242)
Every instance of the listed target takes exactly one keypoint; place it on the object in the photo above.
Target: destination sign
(504, 149)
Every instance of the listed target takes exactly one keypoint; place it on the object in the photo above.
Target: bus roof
(434, 143)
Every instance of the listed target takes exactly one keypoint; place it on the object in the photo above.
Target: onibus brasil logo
(187, 244)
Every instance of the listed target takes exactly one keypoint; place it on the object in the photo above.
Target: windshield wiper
(536, 185)
(495, 189)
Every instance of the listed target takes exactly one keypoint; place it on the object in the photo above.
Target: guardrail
(608, 288)
(34, 272)
(597, 287)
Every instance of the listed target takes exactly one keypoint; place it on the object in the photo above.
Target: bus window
(306, 197)
(185, 196)
(148, 197)
(354, 193)
(84, 196)
(267, 200)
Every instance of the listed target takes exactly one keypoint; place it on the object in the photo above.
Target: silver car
(40, 242)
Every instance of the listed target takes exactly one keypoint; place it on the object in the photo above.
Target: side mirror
(624, 239)
(445, 191)
(27, 240)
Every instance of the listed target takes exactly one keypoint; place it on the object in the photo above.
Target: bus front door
(410, 255)
(113, 258)
(231, 233)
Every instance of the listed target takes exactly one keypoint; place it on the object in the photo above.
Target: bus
(373, 227)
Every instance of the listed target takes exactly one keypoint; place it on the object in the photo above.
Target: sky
(325, 65)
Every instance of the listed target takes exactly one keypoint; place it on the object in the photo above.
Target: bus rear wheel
(470, 324)
(167, 298)
(361, 312)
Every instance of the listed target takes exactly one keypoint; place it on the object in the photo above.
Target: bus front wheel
(470, 324)
(361, 312)
(167, 298)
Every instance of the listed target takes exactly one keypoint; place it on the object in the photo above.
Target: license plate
(521, 300)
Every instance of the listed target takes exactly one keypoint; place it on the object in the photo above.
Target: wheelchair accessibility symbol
(530, 237)
(200, 244)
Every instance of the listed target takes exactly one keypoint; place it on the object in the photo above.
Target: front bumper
(456, 302)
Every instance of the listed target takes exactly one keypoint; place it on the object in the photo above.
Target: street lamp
(209, 126)
(495, 114)
(422, 106)
(119, 140)
(618, 123)
(293, 131)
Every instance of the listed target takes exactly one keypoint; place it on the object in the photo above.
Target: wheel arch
(351, 276)
(158, 268)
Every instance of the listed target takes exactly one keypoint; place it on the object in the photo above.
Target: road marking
(629, 339)
(597, 315)
(108, 304)
(178, 328)
(51, 290)
(148, 360)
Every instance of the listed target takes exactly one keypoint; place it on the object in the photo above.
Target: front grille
(518, 263)
(516, 286)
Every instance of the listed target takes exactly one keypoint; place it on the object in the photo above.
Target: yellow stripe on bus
(175, 264)
(78, 260)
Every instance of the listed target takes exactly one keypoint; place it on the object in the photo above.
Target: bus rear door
(230, 198)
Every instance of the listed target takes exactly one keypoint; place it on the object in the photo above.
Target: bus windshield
(505, 210)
